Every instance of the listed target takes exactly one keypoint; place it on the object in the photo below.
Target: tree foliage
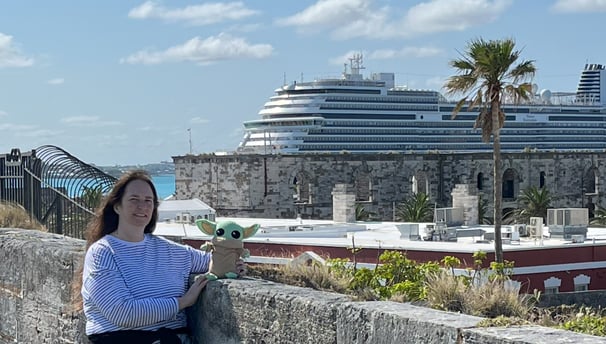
(533, 202)
(487, 74)
(415, 209)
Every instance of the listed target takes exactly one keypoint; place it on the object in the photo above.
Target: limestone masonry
(284, 186)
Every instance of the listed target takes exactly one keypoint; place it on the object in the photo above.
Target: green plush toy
(227, 246)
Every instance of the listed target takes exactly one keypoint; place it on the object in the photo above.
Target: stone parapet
(37, 270)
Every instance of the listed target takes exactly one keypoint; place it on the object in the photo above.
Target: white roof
(186, 205)
(386, 235)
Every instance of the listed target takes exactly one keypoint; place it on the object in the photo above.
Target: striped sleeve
(105, 285)
(200, 260)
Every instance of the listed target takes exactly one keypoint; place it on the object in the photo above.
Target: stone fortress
(287, 186)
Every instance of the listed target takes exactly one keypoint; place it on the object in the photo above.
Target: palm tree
(362, 214)
(487, 74)
(483, 217)
(92, 196)
(415, 209)
(535, 202)
(599, 217)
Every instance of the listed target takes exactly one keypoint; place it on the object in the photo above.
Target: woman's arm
(105, 288)
(200, 260)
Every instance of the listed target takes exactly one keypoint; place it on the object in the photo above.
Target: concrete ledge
(392, 322)
(37, 270)
(526, 335)
(258, 311)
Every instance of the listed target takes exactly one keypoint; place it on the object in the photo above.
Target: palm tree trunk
(498, 185)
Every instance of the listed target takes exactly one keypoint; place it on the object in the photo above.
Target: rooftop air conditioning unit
(535, 227)
(520, 228)
(449, 216)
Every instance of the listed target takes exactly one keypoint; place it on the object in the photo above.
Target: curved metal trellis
(64, 171)
(54, 187)
(70, 190)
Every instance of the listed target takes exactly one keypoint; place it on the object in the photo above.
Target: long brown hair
(106, 219)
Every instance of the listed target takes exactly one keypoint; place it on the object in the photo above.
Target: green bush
(588, 321)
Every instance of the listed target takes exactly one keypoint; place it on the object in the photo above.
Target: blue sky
(121, 82)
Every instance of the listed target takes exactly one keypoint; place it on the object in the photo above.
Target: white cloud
(204, 14)
(56, 81)
(416, 52)
(198, 120)
(11, 55)
(15, 128)
(385, 54)
(203, 51)
(40, 133)
(88, 121)
(452, 15)
(3, 113)
(357, 18)
(344, 17)
(589, 6)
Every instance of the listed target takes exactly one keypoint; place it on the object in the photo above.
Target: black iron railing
(54, 187)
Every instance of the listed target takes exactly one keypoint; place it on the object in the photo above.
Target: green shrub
(588, 321)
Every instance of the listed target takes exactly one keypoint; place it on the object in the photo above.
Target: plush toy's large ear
(250, 231)
(206, 226)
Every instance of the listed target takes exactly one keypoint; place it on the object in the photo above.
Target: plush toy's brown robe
(225, 254)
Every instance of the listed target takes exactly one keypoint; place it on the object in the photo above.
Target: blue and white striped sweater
(130, 285)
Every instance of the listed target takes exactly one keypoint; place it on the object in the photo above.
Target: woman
(134, 284)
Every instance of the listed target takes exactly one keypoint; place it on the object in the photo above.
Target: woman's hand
(191, 296)
(241, 267)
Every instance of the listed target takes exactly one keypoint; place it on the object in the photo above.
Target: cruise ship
(373, 115)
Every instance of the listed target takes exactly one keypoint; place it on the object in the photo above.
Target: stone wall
(37, 270)
(35, 292)
(262, 185)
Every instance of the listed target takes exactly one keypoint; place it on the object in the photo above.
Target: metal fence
(54, 187)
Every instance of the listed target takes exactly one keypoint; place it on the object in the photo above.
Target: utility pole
(189, 131)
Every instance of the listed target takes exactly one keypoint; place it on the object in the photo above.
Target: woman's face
(137, 204)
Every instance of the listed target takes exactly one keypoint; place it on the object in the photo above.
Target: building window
(301, 188)
(552, 285)
(420, 184)
(581, 282)
(363, 187)
(480, 181)
(509, 184)
(590, 182)
(542, 179)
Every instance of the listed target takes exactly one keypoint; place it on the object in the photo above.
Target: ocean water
(165, 185)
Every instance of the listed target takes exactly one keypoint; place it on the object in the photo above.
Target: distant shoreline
(158, 169)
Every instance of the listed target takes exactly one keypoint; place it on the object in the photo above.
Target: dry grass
(13, 215)
(490, 300)
(316, 276)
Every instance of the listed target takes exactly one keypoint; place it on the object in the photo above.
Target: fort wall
(284, 186)
(37, 269)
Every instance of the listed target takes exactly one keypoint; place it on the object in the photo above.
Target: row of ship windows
(433, 99)
(373, 105)
(409, 131)
(327, 106)
(462, 143)
(447, 138)
(422, 147)
(457, 124)
(390, 120)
